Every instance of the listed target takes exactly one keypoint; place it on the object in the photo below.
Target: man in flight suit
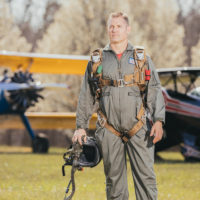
(120, 105)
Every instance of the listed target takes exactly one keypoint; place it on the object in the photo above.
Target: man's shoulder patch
(131, 61)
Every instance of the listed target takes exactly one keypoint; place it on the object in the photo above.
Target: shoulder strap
(140, 66)
(96, 72)
(96, 59)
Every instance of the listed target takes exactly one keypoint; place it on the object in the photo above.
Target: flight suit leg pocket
(133, 107)
(141, 134)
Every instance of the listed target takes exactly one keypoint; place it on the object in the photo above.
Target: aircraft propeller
(22, 91)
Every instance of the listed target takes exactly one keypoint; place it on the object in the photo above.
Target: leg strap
(125, 136)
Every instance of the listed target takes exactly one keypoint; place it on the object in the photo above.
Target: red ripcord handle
(147, 74)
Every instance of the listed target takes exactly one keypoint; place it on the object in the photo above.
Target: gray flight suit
(120, 105)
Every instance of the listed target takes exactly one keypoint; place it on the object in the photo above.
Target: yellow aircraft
(17, 102)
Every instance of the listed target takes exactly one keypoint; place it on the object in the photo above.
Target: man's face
(118, 30)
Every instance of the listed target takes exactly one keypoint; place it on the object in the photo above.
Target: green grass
(26, 176)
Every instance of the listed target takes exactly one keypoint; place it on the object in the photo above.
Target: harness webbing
(125, 136)
(138, 78)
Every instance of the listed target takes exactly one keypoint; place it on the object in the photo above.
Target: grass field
(26, 176)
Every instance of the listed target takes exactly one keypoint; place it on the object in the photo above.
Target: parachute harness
(139, 78)
(71, 157)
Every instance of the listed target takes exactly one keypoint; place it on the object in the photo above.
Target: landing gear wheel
(191, 159)
(40, 144)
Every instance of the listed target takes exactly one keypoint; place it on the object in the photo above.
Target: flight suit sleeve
(86, 105)
(155, 99)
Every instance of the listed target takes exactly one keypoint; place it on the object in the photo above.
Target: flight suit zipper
(120, 77)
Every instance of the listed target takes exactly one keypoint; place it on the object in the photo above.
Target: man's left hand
(157, 131)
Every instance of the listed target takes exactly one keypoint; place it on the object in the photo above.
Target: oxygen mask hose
(71, 182)
(72, 158)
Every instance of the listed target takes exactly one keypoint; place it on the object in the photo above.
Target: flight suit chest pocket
(134, 103)
(110, 67)
(134, 91)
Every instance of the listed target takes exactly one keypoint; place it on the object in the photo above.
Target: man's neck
(119, 47)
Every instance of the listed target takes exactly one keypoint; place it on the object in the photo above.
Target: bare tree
(196, 55)
(79, 26)
(190, 21)
(36, 16)
(155, 27)
(10, 35)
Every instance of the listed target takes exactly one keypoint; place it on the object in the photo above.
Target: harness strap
(127, 81)
(116, 83)
(103, 122)
(140, 65)
(96, 59)
(138, 78)
(141, 121)
(125, 136)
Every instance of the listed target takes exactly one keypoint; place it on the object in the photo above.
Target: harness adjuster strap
(102, 121)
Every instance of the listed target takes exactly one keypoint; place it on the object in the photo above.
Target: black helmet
(90, 156)
(87, 155)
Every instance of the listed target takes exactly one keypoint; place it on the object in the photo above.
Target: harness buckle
(143, 118)
(125, 134)
(121, 83)
(101, 120)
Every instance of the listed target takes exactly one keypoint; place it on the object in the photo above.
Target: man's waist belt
(127, 81)
(125, 136)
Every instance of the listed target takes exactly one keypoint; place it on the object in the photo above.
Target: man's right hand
(78, 135)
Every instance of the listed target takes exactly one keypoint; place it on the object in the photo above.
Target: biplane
(179, 86)
(182, 98)
(20, 91)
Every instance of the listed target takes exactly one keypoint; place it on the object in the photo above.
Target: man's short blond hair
(118, 14)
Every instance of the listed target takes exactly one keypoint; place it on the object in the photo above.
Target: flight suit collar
(108, 47)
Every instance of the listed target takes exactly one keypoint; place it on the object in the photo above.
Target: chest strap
(125, 136)
(116, 83)
(127, 81)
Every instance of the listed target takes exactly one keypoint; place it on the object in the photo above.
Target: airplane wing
(47, 120)
(179, 71)
(30, 86)
(185, 76)
(44, 63)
